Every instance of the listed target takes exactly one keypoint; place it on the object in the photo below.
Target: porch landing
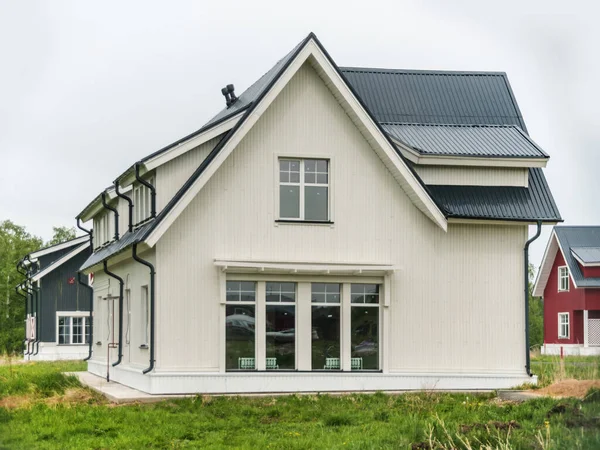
(119, 393)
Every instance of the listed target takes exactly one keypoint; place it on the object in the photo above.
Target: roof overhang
(447, 160)
(59, 262)
(491, 221)
(584, 264)
(304, 268)
(55, 248)
(311, 51)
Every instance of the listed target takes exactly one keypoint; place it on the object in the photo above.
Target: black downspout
(149, 186)
(26, 310)
(91, 289)
(30, 344)
(129, 201)
(36, 295)
(114, 210)
(120, 280)
(152, 273)
(526, 273)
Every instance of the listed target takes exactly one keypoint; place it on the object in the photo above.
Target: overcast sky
(88, 88)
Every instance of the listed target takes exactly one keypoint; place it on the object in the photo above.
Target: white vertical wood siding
(171, 176)
(456, 302)
(473, 176)
(135, 275)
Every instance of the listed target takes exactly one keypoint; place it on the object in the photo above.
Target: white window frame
(301, 186)
(378, 305)
(70, 315)
(563, 276)
(340, 305)
(263, 311)
(242, 303)
(144, 316)
(560, 325)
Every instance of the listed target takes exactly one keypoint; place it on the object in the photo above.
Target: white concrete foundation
(162, 382)
(570, 350)
(50, 351)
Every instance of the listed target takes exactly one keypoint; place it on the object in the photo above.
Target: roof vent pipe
(228, 92)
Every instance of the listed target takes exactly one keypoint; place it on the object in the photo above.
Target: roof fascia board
(57, 247)
(59, 262)
(192, 143)
(427, 205)
(447, 160)
(540, 285)
(520, 222)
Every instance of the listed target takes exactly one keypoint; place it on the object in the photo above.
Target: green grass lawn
(550, 368)
(55, 412)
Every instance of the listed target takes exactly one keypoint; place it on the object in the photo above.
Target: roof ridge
(423, 71)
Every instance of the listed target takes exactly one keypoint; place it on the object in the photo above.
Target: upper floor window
(103, 229)
(563, 325)
(142, 202)
(304, 189)
(563, 278)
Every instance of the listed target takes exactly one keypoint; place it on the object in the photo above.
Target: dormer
(588, 259)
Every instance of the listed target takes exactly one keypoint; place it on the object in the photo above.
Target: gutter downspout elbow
(149, 186)
(130, 205)
(526, 273)
(120, 280)
(114, 210)
(152, 274)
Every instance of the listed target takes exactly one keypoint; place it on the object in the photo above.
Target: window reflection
(240, 337)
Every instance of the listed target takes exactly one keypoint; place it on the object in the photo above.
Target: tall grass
(551, 369)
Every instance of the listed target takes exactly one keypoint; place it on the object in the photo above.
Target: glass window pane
(77, 330)
(322, 178)
(295, 166)
(322, 165)
(318, 297)
(289, 202)
(241, 291)
(284, 177)
(64, 330)
(364, 338)
(240, 337)
(281, 337)
(326, 338)
(295, 177)
(315, 199)
(310, 166)
(87, 330)
(310, 178)
(284, 165)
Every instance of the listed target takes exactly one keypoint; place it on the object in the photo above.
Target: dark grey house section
(60, 291)
(574, 237)
(498, 202)
(436, 97)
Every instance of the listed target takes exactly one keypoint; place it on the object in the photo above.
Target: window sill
(304, 222)
(144, 347)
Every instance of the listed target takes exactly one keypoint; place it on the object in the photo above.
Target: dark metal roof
(129, 238)
(436, 97)
(588, 255)
(466, 140)
(573, 237)
(499, 202)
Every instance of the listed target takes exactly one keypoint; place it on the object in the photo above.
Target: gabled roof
(500, 202)
(436, 97)
(59, 262)
(565, 239)
(466, 140)
(57, 247)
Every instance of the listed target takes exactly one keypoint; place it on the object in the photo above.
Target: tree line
(16, 242)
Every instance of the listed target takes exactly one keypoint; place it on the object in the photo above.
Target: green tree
(15, 242)
(61, 234)
(536, 313)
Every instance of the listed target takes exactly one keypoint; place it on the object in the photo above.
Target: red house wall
(590, 272)
(573, 301)
(557, 302)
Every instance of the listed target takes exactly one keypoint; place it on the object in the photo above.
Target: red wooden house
(569, 282)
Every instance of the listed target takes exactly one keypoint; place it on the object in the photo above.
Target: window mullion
(301, 189)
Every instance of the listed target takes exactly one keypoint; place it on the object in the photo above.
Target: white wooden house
(332, 229)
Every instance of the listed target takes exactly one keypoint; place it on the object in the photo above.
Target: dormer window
(142, 202)
(563, 279)
(103, 229)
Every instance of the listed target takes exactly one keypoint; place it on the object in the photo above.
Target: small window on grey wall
(304, 189)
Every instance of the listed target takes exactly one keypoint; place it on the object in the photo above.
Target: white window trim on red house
(560, 325)
(562, 277)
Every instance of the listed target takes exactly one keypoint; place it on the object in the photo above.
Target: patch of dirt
(15, 401)
(70, 397)
(421, 446)
(569, 388)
